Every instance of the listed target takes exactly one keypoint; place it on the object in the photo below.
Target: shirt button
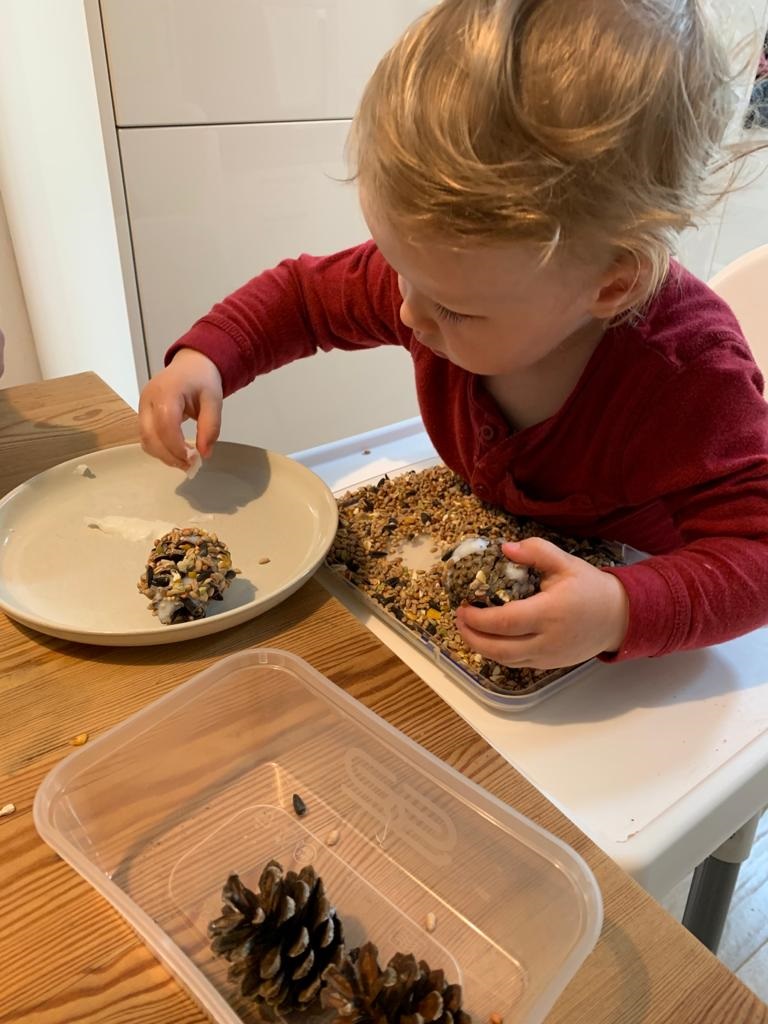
(487, 433)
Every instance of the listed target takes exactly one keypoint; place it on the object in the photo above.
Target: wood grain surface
(66, 955)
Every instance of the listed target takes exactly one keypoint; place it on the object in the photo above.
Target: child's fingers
(208, 423)
(518, 618)
(512, 651)
(161, 436)
(169, 456)
(539, 553)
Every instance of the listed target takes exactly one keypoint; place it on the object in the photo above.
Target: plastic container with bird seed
(160, 811)
(416, 544)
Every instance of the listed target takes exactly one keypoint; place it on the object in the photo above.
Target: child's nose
(411, 312)
(416, 320)
(406, 315)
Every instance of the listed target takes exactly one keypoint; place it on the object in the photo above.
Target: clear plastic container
(157, 812)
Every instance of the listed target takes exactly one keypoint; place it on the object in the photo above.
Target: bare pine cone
(280, 940)
(406, 992)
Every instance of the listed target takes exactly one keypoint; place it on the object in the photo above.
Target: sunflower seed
(298, 805)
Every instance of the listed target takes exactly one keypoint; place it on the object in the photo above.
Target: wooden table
(66, 956)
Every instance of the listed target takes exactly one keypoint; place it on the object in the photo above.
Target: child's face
(489, 309)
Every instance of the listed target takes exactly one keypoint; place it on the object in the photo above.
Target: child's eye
(448, 314)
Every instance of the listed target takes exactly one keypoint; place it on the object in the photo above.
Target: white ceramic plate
(63, 577)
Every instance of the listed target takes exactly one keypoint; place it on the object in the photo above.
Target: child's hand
(580, 612)
(190, 388)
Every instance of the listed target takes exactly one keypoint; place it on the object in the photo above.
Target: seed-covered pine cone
(479, 573)
(186, 569)
(280, 940)
(406, 992)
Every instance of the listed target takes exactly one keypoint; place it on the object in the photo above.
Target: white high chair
(743, 285)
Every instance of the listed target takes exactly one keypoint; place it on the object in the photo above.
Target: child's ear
(622, 284)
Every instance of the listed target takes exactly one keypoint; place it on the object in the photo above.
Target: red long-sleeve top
(663, 443)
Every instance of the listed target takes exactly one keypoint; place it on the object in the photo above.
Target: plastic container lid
(157, 812)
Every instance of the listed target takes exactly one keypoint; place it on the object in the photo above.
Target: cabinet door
(199, 62)
(209, 208)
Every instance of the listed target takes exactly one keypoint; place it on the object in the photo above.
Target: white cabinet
(211, 206)
(228, 124)
(203, 62)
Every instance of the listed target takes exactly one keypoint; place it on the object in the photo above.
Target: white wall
(53, 177)
(706, 249)
(21, 365)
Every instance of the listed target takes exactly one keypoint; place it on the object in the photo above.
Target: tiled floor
(744, 947)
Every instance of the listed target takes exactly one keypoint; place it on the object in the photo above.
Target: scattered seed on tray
(7, 809)
(332, 838)
(430, 922)
(298, 805)
(79, 740)
(495, 1018)
(437, 508)
(366, 451)
(264, 561)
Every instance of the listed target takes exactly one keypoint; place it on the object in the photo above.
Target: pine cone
(406, 992)
(279, 941)
(479, 573)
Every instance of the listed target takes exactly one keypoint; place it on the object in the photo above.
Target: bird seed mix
(435, 506)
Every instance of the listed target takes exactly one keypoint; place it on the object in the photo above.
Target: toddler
(524, 167)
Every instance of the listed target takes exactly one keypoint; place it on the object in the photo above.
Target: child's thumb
(208, 424)
(538, 553)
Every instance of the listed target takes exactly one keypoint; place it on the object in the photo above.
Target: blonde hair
(562, 122)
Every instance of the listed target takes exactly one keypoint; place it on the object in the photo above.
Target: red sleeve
(348, 301)
(702, 449)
